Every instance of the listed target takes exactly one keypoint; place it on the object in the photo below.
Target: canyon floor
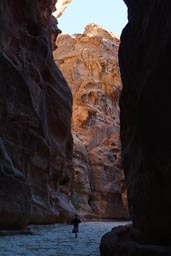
(57, 240)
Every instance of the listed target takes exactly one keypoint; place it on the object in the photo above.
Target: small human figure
(75, 222)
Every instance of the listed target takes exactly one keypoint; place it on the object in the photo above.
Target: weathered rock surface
(90, 65)
(120, 242)
(145, 52)
(35, 116)
(61, 5)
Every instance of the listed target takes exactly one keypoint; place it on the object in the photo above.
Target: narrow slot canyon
(85, 129)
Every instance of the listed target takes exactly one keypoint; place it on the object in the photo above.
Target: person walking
(75, 222)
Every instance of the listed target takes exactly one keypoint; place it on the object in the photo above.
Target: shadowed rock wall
(145, 119)
(35, 117)
(145, 53)
(89, 62)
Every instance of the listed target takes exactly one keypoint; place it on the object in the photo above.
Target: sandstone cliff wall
(145, 53)
(35, 117)
(90, 65)
(145, 116)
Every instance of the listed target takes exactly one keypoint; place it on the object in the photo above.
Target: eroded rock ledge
(35, 116)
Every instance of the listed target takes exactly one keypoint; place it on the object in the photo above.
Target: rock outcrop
(35, 116)
(89, 63)
(61, 5)
(145, 52)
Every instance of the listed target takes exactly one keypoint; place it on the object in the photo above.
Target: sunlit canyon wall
(145, 104)
(89, 63)
(35, 117)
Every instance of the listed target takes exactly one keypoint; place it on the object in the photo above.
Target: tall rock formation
(89, 63)
(145, 54)
(35, 116)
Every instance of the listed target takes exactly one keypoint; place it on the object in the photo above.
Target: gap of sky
(109, 14)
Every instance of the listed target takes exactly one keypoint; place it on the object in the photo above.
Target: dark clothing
(76, 221)
(75, 229)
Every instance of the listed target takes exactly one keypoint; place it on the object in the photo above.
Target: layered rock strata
(90, 65)
(145, 130)
(35, 116)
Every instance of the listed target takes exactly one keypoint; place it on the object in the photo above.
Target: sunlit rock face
(90, 65)
(35, 116)
(61, 5)
(145, 104)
